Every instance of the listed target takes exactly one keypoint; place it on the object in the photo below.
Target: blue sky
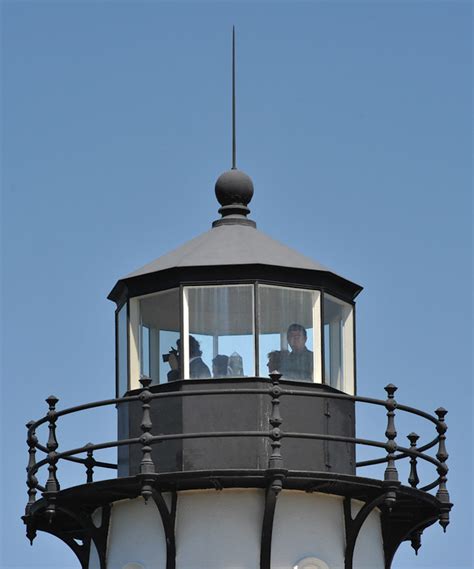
(354, 121)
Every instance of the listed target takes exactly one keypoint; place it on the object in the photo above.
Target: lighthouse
(237, 406)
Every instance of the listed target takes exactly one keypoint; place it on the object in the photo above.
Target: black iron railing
(393, 452)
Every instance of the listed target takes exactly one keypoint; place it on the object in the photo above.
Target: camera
(166, 357)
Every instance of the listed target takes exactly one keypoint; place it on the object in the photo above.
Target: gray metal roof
(231, 245)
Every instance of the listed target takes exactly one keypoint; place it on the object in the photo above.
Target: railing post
(413, 478)
(391, 473)
(275, 462)
(52, 484)
(31, 480)
(275, 473)
(442, 494)
(147, 467)
(89, 464)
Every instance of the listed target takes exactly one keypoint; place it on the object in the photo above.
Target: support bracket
(354, 525)
(168, 518)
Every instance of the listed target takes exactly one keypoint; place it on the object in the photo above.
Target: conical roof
(233, 249)
(231, 245)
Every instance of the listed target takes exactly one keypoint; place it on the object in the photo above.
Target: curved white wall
(221, 530)
(308, 525)
(366, 555)
(136, 535)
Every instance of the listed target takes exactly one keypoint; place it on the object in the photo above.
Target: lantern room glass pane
(338, 344)
(159, 334)
(122, 350)
(289, 333)
(220, 329)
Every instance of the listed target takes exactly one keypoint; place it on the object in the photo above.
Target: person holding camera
(197, 368)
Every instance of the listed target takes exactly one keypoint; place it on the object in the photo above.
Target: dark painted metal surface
(240, 412)
(267, 527)
(267, 454)
(173, 277)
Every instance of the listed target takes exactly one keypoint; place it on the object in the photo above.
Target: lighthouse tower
(237, 415)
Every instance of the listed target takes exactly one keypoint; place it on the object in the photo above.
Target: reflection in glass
(122, 351)
(338, 344)
(220, 331)
(289, 330)
(159, 334)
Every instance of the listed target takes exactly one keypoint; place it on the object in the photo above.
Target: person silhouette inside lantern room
(277, 361)
(197, 368)
(299, 362)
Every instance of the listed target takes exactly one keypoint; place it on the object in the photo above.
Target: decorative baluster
(391, 473)
(52, 484)
(442, 494)
(413, 479)
(147, 467)
(89, 464)
(276, 461)
(31, 480)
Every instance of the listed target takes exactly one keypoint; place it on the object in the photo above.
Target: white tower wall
(222, 529)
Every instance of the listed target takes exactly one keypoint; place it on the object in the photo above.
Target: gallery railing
(393, 452)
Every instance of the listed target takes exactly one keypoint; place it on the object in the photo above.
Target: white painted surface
(311, 563)
(308, 525)
(96, 517)
(93, 556)
(368, 553)
(219, 529)
(222, 529)
(136, 535)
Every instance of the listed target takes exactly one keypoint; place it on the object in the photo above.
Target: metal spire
(234, 189)
(233, 99)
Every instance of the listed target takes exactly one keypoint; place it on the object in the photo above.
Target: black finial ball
(234, 187)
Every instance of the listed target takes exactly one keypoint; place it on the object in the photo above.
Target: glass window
(289, 335)
(158, 338)
(122, 350)
(218, 320)
(338, 344)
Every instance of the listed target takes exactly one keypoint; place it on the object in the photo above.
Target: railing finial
(89, 463)
(415, 540)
